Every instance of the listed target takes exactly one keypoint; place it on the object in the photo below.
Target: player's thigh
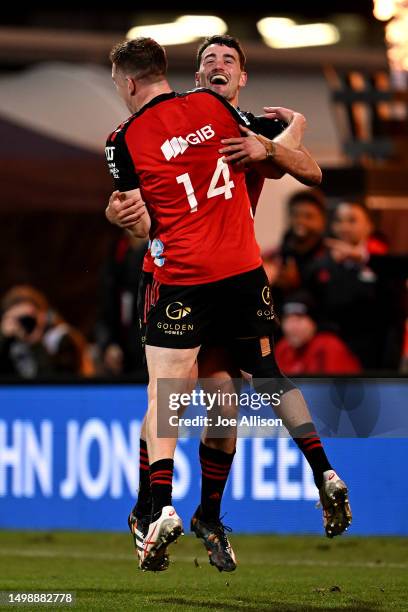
(251, 309)
(165, 362)
(216, 361)
(221, 378)
(169, 375)
(179, 317)
(144, 299)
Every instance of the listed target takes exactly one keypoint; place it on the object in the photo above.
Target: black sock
(161, 479)
(215, 469)
(310, 444)
(143, 505)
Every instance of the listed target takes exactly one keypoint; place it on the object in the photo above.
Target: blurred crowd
(340, 296)
(340, 300)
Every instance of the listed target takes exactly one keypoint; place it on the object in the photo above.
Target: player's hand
(125, 209)
(292, 137)
(284, 114)
(243, 150)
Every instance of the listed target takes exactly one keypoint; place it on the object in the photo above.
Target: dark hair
(143, 58)
(228, 41)
(311, 196)
(300, 302)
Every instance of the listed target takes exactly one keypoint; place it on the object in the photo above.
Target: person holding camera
(35, 341)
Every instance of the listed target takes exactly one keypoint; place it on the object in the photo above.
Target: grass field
(275, 573)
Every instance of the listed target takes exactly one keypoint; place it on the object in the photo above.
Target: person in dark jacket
(361, 297)
(117, 331)
(303, 243)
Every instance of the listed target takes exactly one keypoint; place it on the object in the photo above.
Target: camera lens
(28, 323)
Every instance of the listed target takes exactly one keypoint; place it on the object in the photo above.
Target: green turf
(275, 573)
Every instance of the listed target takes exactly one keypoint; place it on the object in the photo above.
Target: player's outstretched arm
(284, 154)
(304, 168)
(128, 211)
(296, 162)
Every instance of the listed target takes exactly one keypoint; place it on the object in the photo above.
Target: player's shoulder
(119, 133)
(201, 91)
(213, 96)
(123, 128)
(270, 128)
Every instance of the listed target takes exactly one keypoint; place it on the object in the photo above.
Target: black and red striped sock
(215, 469)
(310, 444)
(161, 484)
(144, 497)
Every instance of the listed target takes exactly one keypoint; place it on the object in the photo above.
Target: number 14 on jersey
(221, 172)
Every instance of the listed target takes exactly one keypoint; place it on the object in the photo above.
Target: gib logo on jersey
(178, 144)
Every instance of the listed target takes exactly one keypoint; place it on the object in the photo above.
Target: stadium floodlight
(287, 34)
(164, 33)
(184, 29)
(203, 25)
(268, 26)
(384, 9)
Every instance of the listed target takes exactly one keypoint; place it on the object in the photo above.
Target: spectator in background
(35, 340)
(353, 225)
(302, 244)
(118, 330)
(359, 298)
(305, 350)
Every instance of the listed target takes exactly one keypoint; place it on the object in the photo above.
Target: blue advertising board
(69, 460)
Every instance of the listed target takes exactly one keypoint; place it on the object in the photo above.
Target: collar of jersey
(156, 100)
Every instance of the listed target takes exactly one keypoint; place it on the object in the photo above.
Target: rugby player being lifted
(221, 64)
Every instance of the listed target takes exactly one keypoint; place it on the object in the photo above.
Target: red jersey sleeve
(119, 160)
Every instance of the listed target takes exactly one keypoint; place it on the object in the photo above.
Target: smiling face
(306, 220)
(220, 71)
(351, 224)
